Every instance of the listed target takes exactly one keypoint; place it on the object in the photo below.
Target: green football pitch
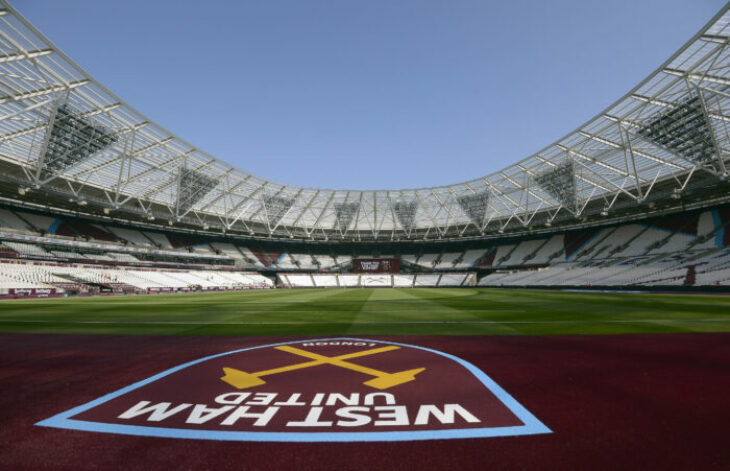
(448, 311)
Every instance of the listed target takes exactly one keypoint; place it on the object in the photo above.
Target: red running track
(612, 402)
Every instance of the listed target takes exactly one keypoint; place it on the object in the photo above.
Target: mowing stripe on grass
(359, 311)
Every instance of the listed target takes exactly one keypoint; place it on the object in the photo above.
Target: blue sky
(369, 94)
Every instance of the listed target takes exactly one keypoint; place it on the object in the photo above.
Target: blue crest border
(532, 426)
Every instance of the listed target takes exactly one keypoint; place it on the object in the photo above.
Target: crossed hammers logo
(381, 379)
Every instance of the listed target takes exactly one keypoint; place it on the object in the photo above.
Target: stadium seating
(403, 281)
(343, 260)
(77, 228)
(426, 280)
(350, 281)
(250, 257)
(267, 258)
(428, 260)
(307, 262)
(40, 223)
(122, 257)
(677, 251)
(325, 281)
(9, 221)
(409, 259)
(375, 281)
(69, 255)
(547, 252)
(299, 280)
(327, 261)
(707, 268)
(452, 279)
(287, 262)
(23, 248)
(469, 258)
(87, 278)
(503, 254)
(521, 251)
(7, 252)
(447, 260)
(132, 236)
(158, 239)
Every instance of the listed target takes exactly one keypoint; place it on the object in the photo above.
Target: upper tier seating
(518, 255)
(227, 249)
(132, 236)
(326, 261)
(77, 228)
(287, 262)
(266, 259)
(8, 220)
(39, 222)
(469, 258)
(250, 258)
(548, 250)
(409, 258)
(428, 260)
(305, 262)
(640, 244)
(503, 254)
(159, 239)
(447, 260)
(343, 260)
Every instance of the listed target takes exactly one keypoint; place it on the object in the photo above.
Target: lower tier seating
(94, 278)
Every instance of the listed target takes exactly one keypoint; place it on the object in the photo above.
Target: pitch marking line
(607, 321)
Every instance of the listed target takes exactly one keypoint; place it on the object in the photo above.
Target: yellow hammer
(381, 380)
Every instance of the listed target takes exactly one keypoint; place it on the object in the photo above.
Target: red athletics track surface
(613, 402)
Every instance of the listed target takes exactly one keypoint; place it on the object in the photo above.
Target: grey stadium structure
(84, 176)
(568, 312)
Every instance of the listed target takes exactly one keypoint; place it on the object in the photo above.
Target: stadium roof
(63, 134)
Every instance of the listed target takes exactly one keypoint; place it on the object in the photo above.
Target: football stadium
(160, 307)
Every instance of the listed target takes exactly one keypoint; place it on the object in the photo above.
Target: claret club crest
(313, 391)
